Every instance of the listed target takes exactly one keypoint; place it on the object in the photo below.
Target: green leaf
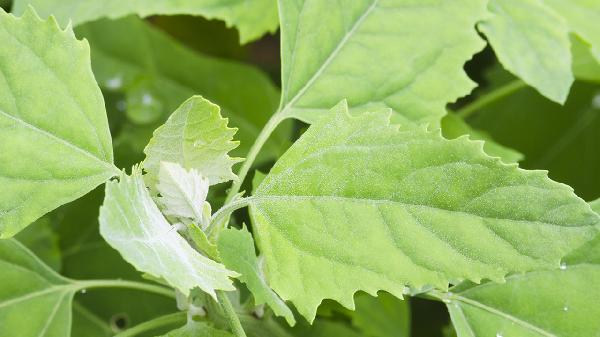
(129, 56)
(40, 238)
(585, 66)
(381, 316)
(132, 224)
(51, 113)
(400, 54)
(195, 137)
(454, 127)
(595, 205)
(182, 192)
(423, 210)
(532, 42)
(197, 329)
(236, 248)
(558, 302)
(34, 300)
(253, 19)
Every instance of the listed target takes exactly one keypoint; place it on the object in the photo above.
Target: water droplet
(147, 99)
(563, 266)
(83, 291)
(114, 83)
(596, 101)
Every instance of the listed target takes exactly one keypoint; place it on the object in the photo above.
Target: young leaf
(34, 300)
(532, 42)
(556, 302)
(335, 50)
(197, 329)
(132, 224)
(253, 19)
(195, 137)
(55, 144)
(182, 192)
(236, 248)
(356, 204)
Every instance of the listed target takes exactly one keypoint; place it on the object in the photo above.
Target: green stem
(254, 150)
(491, 97)
(230, 314)
(218, 219)
(160, 290)
(170, 319)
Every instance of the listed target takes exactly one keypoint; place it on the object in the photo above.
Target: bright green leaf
(34, 300)
(236, 248)
(356, 204)
(585, 66)
(182, 192)
(532, 42)
(595, 205)
(195, 137)
(55, 144)
(197, 329)
(132, 224)
(403, 54)
(253, 19)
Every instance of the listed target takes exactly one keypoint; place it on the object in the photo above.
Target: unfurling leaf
(55, 143)
(132, 224)
(195, 137)
(357, 204)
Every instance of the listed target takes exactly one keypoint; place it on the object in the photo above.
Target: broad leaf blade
(195, 137)
(132, 224)
(532, 42)
(253, 19)
(182, 192)
(55, 144)
(236, 248)
(356, 204)
(402, 54)
(34, 300)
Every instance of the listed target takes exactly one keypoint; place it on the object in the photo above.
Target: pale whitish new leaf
(252, 18)
(183, 192)
(356, 204)
(236, 249)
(197, 329)
(132, 224)
(404, 54)
(34, 300)
(560, 302)
(532, 42)
(196, 137)
(55, 144)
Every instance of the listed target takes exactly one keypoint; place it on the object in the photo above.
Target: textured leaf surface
(34, 300)
(195, 137)
(322, 64)
(236, 248)
(182, 192)
(132, 224)
(252, 18)
(51, 113)
(532, 42)
(542, 303)
(356, 204)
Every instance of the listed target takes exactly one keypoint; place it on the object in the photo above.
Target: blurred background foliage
(146, 68)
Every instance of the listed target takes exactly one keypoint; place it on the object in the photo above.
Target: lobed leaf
(356, 204)
(182, 192)
(132, 224)
(55, 144)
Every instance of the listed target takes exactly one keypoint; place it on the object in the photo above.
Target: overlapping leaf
(55, 144)
(132, 224)
(183, 192)
(253, 19)
(402, 54)
(357, 204)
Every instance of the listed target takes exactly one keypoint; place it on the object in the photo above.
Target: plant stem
(170, 319)
(254, 150)
(230, 314)
(223, 212)
(491, 97)
(160, 290)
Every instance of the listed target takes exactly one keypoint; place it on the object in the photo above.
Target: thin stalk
(216, 221)
(491, 97)
(230, 314)
(170, 319)
(160, 290)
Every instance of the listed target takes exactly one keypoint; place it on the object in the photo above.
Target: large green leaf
(253, 19)
(55, 144)
(356, 204)
(34, 300)
(132, 224)
(560, 302)
(236, 248)
(131, 57)
(403, 54)
(195, 137)
(531, 41)
(39, 237)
